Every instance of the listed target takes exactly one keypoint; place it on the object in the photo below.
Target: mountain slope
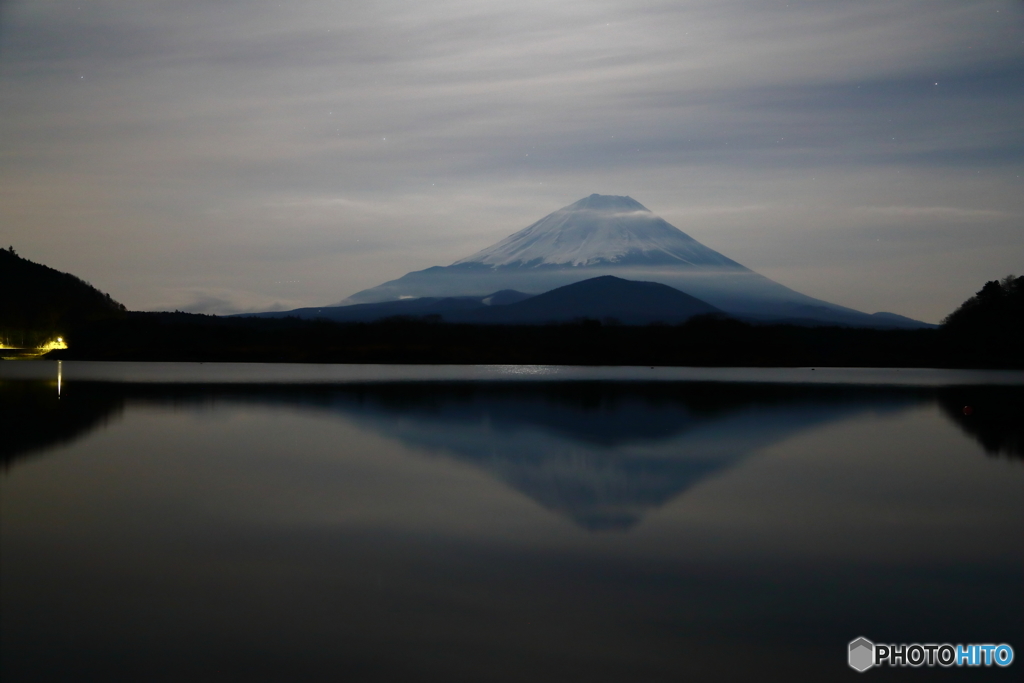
(599, 298)
(612, 235)
(418, 308)
(38, 302)
(599, 230)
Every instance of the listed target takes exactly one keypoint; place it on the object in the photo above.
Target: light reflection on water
(500, 530)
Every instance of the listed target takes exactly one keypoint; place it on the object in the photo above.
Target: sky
(245, 155)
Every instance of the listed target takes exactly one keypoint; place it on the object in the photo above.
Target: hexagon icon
(862, 654)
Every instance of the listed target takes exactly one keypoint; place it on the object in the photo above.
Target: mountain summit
(611, 235)
(599, 230)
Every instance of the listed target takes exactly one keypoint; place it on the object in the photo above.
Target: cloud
(949, 213)
(203, 302)
(220, 302)
(228, 146)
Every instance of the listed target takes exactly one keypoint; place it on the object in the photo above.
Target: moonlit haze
(231, 156)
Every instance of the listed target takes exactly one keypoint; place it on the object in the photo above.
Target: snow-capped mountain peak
(599, 230)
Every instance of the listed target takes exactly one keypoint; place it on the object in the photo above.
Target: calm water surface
(171, 522)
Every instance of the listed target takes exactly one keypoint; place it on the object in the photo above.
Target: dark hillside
(39, 302)
(990, 324)
(703, 340)
(997, 307)
(599, 298)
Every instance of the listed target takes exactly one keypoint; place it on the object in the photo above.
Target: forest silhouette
(984, 332)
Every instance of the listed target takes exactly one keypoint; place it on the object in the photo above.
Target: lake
(236, 522)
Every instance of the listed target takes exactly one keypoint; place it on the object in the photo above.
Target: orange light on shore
(53, 345)
(22, 352)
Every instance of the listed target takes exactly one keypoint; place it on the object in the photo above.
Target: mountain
(613, 235)
(998, 308)
(600, 298)
(40, 303)
(599, 230)
(990, 324)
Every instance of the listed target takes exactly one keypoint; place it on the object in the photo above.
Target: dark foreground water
(166, 522)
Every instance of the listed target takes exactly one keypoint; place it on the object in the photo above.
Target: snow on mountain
(596, 230)
(611, 235)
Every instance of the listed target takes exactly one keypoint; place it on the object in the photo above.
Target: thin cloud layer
(158, 149)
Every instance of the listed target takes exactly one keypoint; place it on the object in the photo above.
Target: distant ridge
(417, 308)
(604, 298)
(601, 298)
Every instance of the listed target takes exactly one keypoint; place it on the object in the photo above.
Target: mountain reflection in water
(503, 531)
(601, 454)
